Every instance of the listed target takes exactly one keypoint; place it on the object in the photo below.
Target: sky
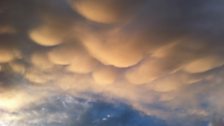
(111, 63)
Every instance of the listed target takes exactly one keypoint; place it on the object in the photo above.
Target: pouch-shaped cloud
(148, 71)
(105, 11)
(105, 75)
(204, 64)
(17, 67)
(76, 59)
(168, 84)
(37, 77)
(113, 48)
(8, 54)
(84, 66)
(46, 36)
(41, 60)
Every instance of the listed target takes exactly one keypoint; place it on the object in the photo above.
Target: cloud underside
(160, 57)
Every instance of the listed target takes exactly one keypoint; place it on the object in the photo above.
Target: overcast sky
(111, 62)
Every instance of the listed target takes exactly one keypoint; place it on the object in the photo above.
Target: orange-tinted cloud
(105, 11)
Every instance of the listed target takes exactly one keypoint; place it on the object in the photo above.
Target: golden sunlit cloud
(103, 11)
(105, 75)
(111, 51)
(45, 36)
(7, 55)
(204, 64)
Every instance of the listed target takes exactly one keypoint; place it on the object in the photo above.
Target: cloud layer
(164, 58)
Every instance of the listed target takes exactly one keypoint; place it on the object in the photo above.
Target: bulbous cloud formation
(44, 36)
(163, 58)
(7, 55)
(105, 11)
(116, 50)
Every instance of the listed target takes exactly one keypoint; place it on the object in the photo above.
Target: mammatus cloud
(105, 75)
(105, 11)
(45, 36)
(164, 59)
(8, 54)
(204, 64)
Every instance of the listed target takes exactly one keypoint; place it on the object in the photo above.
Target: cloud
(36, 76)
(105, 11)
(163, 58)
(8, 54)
(149, 71)
(14, 100)
(45, 36)
(17, 67)
(113, 47)
(105, 75)
(78, 60)
(7, 29)
(40, 60)
(204, 64)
